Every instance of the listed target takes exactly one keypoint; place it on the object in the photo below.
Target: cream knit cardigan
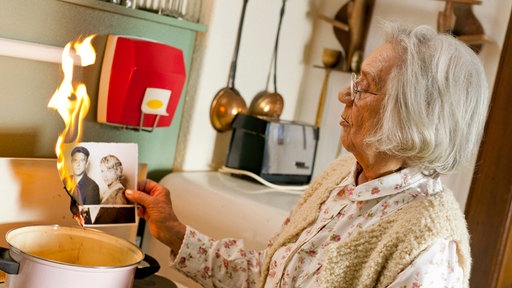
(373, 257)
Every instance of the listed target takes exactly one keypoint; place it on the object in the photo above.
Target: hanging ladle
(228, 102)
(270, 104)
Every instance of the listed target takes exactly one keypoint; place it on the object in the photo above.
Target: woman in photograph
(112, 174)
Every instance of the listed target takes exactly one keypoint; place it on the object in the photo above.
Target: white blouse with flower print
(225, 262)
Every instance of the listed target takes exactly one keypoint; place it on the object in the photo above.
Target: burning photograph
(100, 173)
(95, 175)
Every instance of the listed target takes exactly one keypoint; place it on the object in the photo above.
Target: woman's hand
(155, 207)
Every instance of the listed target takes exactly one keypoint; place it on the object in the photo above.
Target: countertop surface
(246, 209)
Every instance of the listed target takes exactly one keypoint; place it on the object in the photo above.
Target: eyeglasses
(355, 92)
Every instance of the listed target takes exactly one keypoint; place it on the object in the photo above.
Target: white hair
(436, 103)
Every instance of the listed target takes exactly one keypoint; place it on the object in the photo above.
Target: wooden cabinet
(489, 205)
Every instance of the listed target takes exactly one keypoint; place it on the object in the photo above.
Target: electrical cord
(283, 188)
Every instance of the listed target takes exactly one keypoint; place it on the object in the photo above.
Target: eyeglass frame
(353, 90)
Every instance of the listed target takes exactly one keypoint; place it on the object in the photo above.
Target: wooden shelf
(137, 13)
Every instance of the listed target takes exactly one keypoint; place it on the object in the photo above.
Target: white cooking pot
(63, 257)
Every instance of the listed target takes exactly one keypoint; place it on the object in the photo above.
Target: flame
(72, 102)
(86, 51)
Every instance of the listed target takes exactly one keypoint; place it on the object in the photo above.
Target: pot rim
(129, 245)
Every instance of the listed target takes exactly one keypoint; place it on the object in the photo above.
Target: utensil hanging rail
(33, 51)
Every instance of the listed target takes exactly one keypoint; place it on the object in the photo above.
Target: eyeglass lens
(353, 86)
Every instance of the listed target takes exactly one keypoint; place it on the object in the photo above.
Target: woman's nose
(345, 96)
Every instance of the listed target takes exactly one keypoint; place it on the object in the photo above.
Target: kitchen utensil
(466, 24)
(228, 102)
(357, 14)
(458, 19)
(330, 58)
(193, 10)
(58, 257)
(265, 103)
(173, 8)
(150, 5)
(189, 10)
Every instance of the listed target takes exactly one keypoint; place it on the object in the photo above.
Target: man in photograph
(87, 191)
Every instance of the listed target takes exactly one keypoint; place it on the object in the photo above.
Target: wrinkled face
(79, 163)
(361, 114)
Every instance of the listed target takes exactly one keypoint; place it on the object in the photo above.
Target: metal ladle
(265, 103)
(228, 102)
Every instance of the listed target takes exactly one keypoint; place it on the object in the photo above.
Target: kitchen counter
(221, 205)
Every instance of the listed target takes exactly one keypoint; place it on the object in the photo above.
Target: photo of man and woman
(101, 172)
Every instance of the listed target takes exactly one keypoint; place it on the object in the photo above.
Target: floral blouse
(349, 208)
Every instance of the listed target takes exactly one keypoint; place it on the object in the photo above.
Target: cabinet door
(489, 206)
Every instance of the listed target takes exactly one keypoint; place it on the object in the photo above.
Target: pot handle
(143, 272)
(7, 264)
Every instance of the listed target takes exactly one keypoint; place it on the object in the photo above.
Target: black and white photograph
(101, 172)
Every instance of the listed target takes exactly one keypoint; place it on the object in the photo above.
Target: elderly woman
(379, 218)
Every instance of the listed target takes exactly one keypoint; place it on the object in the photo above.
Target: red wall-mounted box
(132, 70)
